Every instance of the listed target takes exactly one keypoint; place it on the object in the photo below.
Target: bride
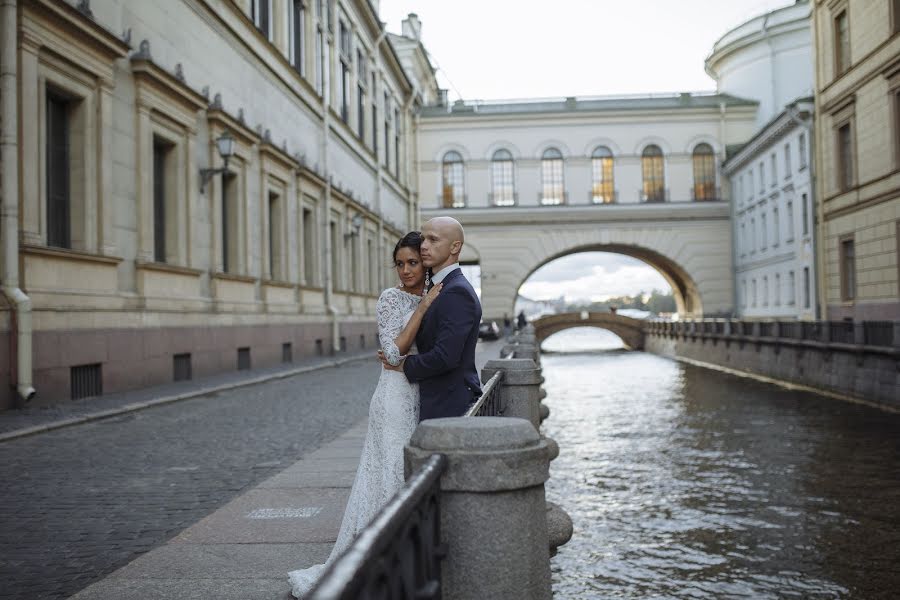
(393, 411)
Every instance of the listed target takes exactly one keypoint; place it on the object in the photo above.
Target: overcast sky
(490, 49)
(529, 48)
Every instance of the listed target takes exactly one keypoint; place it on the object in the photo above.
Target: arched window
(704, 173)
(503, 187)
(552, 186)
(654, 175)
(602, 185)
(453, 189)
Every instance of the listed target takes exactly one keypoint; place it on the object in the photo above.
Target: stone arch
(558, 144)
(503, 145)
(658, 141)
(684, 289)
(702, 139)
(445, 148)
(602, 141)
(630, 330)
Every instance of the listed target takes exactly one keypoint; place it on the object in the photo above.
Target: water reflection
(688, 483)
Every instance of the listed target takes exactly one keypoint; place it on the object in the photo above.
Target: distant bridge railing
(877, 336)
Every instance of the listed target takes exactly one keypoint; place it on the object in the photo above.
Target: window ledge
(278, 283)
(167, 268)
(67, 254)
(234, 277)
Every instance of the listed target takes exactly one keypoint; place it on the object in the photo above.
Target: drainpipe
(20, 304)
(807, 124)
(333, 312)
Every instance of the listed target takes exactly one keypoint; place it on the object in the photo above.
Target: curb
(136, 406)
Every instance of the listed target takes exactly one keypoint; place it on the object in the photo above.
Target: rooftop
(660, 101)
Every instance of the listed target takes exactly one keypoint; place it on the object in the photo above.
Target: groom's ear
(456, 247)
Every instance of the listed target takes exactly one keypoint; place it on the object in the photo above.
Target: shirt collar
(440, 275)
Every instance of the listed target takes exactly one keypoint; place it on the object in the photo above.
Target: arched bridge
(630, 330)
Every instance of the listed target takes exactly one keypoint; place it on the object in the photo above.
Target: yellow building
(132, 253)
(858, 157)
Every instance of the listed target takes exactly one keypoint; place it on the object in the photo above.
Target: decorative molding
(68, 254)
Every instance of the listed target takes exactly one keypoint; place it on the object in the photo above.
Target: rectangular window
(59, 201)
(787, 161)
(243, 359)
(287, 352)
(777, 289)
(298, 36)
(374, 117)
(848, 270)
(750, 185)
(789, 209)
(895, 16)
(86, 381)
(753, 283)
(804, 199)
(396, 143)
(774, 165)
(262, 10)
(387, 130)
(181, 367)
(776, 227)
(801, 150)
(765, 293)
(792, 288)
(743, 239)
(752, 235)
(163, 229)
(361, 79)
(806, 289)
(230, 232)
(764, 231)
(344, 47)
(274, 235)
(841, 43)
(320, 61)
(762, 177)
(744, 293)
(845, 157)
(373, 267)
(352, 268)
(336, 279)
(309, 256)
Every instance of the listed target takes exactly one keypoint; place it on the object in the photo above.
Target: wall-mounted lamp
(356, 222)
(225, 146)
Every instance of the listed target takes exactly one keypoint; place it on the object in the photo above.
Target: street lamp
(356, 222)
(225, 146)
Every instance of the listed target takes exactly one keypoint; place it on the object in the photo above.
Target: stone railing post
(520, 389)
(493, 508)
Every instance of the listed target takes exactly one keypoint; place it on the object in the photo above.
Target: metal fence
(488, 405)
(398, 555)
(879, 333)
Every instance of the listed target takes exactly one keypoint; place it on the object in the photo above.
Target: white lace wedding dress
(393, 415)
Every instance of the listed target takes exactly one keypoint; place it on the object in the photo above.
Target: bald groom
(444, 368)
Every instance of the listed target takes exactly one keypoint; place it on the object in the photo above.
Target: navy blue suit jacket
(445, 365)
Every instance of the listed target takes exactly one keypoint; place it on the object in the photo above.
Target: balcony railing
(610, 197)
(453, 201)
(503, 198)
(656, 195)
(702, 192)
(553, 199)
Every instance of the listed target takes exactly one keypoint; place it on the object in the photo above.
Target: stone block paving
(81, 501)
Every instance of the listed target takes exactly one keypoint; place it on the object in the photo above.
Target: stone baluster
(493, 508)
(520, 388)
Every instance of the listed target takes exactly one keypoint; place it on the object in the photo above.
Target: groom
(445, 366)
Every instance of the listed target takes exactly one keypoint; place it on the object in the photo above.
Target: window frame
(842, 52)
(703, 165)
(553, 178)
(603, 186)
(503, 183)
(453, 180)
(847, 268)
(653, 188)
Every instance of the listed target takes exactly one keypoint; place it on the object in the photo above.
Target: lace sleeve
(390, 323)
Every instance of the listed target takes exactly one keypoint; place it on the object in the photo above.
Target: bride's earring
(427, 283)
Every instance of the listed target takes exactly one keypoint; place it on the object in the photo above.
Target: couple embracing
(437, 379)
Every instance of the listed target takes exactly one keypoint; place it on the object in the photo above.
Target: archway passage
(630, 330)
(688, 244)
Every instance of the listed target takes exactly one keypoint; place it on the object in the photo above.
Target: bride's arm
(405, 339)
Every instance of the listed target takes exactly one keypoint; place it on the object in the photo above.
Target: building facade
(142, 255)
(769, 59)
(857, 150)
(534, 180)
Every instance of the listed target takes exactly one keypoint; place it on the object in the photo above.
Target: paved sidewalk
(16, 423)
(244, 550)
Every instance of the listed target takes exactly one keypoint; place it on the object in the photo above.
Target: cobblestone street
(82, 501)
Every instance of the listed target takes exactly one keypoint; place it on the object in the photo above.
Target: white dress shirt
(440, 275)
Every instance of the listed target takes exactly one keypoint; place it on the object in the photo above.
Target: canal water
(685, 482)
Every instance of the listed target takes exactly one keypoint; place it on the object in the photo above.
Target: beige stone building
(132, 254)
(858, 157)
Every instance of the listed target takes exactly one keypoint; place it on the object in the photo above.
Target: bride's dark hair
(413, 240)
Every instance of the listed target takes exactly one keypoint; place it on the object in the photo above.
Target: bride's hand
(430, 296)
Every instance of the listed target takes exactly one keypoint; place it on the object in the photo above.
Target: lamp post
(356, 222)
(225, 146)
